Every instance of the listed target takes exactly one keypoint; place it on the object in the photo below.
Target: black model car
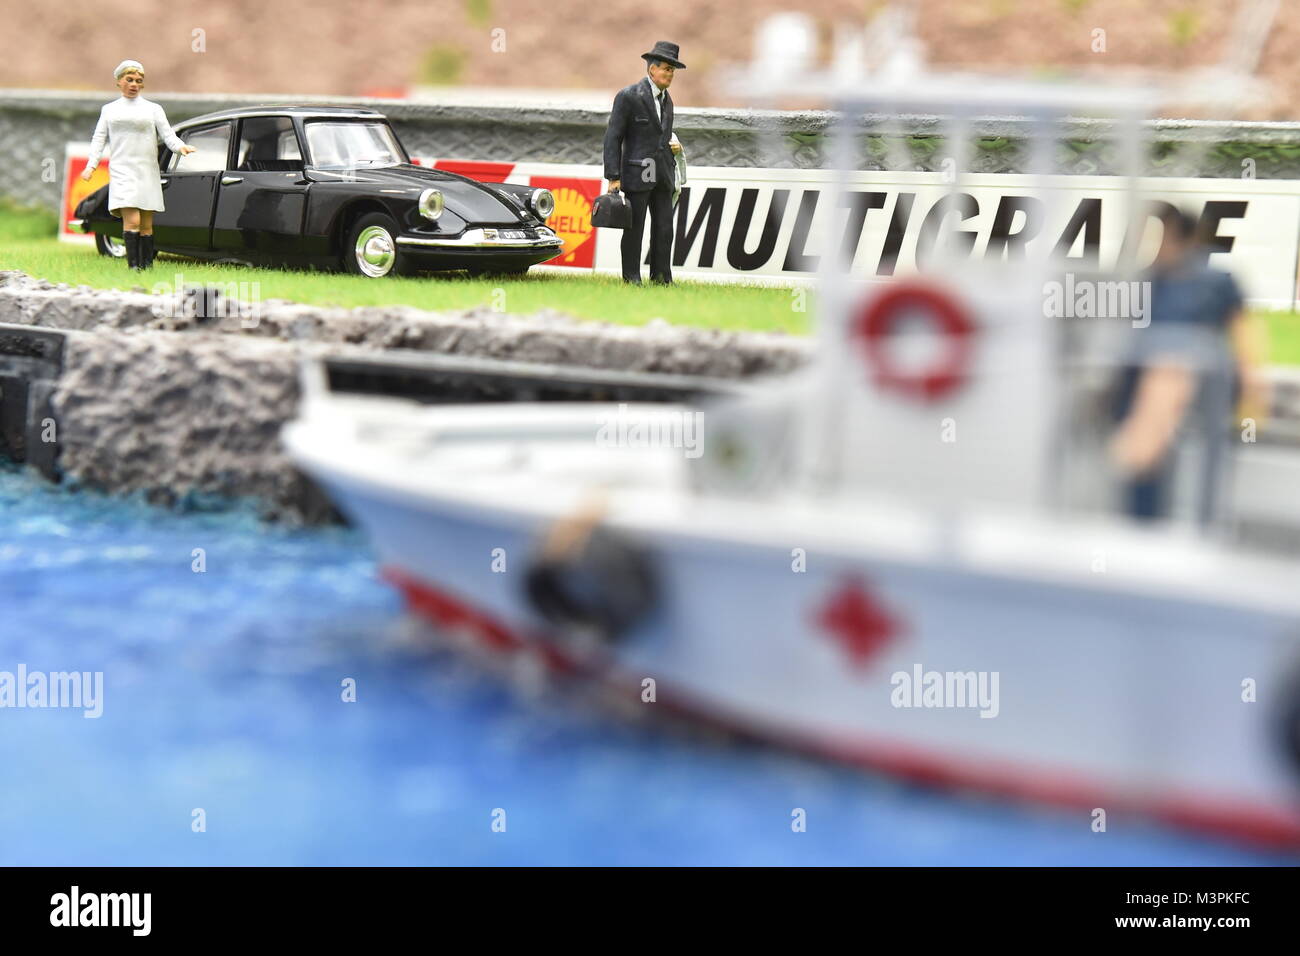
(329, 187)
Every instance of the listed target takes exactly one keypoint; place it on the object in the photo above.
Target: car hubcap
(375, 251)
(116, 247)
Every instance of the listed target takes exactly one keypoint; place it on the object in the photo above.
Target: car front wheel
(110, 246)
(371, 247)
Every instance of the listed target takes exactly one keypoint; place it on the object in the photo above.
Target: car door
(190, 190)
(262, 198)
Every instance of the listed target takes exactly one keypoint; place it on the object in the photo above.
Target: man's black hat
(667, 52)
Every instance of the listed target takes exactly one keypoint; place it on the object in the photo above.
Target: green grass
(1283, 335)
(27, 243)
(19, 224)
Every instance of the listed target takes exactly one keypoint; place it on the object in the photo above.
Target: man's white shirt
(658, 101)
(679, 171)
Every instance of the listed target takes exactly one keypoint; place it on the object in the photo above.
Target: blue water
(222, 691)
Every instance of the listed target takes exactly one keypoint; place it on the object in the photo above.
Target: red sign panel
(483, 171)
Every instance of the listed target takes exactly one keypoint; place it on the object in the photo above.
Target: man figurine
(639, 150)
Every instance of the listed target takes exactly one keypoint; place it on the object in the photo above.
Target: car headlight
(431, 203)
(542, 202)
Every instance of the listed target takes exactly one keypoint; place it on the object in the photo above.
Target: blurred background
(578, 52)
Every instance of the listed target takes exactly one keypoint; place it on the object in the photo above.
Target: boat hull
(1076, 693)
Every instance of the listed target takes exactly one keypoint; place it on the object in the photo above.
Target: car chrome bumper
(483, 239)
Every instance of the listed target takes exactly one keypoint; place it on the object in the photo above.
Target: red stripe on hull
(1253, 823)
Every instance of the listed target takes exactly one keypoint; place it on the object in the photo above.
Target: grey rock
(156, 402)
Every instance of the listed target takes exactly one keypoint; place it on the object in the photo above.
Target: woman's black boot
(132, 241)
(146, 251)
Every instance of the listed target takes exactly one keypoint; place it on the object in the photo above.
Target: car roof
(306, 112)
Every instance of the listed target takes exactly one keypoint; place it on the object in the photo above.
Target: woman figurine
(132, 126)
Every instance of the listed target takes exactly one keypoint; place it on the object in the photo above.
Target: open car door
(190, 190)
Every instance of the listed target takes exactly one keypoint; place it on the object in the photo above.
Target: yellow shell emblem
(571, 220)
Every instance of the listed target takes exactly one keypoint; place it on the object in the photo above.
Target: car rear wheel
(371, 247)
(110, 246)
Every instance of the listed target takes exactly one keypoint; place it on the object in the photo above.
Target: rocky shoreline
(178, 397)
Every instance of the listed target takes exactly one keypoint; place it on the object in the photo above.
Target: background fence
(35, 125)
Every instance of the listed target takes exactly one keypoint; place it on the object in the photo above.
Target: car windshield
(352, 144)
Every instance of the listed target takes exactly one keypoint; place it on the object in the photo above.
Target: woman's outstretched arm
(165, 131)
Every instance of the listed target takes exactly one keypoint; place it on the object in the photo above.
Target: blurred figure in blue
(1200, 354)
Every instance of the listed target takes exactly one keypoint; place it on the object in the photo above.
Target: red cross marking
(858, 623)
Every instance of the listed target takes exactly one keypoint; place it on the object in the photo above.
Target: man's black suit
(637, 153)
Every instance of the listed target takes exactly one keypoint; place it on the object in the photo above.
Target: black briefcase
(611, 211)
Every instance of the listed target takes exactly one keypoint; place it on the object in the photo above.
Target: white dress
(132, 127)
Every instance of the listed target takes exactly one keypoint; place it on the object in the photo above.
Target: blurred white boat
(1079, 660)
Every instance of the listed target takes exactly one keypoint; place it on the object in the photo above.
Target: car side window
(268, 143)
(211, 146)
(288, 149)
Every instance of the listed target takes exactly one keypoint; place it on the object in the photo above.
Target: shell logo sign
(572, 218)
(574, 196)
(75, 188)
